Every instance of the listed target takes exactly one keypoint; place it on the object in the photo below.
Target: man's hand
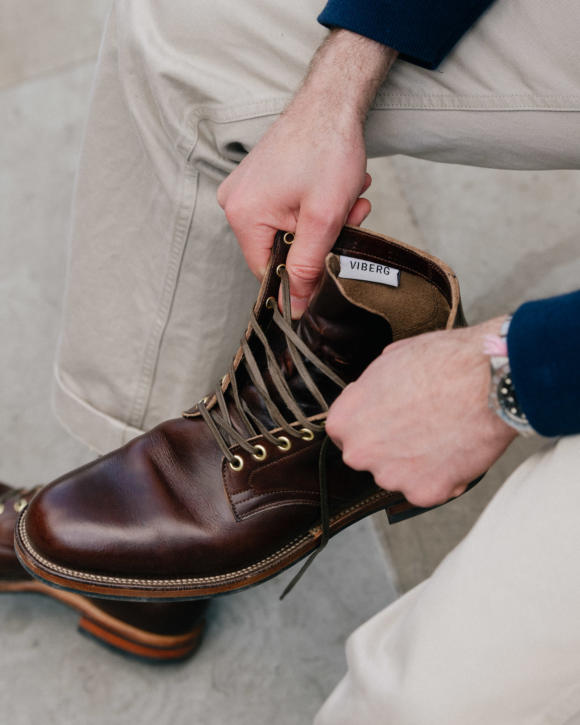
(418, 418)
(307, 173)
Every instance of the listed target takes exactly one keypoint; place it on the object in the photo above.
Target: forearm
(346, 73)
(422, 32)
(307, 174)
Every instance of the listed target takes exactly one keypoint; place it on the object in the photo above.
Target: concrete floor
(509, 235)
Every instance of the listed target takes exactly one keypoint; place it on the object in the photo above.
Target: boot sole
(190, 588)
(112, 632)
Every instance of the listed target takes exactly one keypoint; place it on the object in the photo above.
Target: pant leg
(158, 291)
(492, 636)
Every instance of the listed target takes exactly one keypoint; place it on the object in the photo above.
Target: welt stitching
(187, 581)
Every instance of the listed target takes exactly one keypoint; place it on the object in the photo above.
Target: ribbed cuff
(544, 353)
(423, 31)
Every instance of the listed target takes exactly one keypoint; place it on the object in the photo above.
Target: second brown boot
(237, 489)
(154, 632)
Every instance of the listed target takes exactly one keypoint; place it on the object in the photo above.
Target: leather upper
(169, 504)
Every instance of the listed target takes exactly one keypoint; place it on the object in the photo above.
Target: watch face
(506, 397)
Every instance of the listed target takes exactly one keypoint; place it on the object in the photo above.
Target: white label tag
(353, 268)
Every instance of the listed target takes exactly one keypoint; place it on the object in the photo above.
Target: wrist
(347, 72)
(503, 398)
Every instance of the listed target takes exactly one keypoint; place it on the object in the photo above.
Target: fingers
(317, 228)
(359, 212)
(256, 244)
(316, 232)
(255, 239)
(367, 182)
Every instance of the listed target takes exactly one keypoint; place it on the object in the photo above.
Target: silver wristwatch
(502, 395)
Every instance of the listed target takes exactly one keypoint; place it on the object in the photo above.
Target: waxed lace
(220, 422)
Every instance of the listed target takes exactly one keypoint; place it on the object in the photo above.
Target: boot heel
(141, 644)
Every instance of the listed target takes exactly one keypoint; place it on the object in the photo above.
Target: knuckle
(335, 424)
(222, 195)
(425, 498)
(384, 481)
(304, 271)
(235, 210)
(322, 220)
(353, 458)
(332, 425)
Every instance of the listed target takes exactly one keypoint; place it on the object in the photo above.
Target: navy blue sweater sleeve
(544, 353)
(423, 31)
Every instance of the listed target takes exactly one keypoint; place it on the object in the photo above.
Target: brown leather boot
(156, 632)
(232, 493)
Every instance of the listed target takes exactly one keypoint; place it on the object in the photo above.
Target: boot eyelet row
(20, 505)
(284, 444)
(288, 237)
(237, 464)
(259, 453)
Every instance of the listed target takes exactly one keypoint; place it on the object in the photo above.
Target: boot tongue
(344, 335)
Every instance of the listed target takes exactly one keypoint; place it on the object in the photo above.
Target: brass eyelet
(259, 453)
(284, 444)
(288, 237)
(2, 507)
(20, 505)
(237, 464)
(270, 303)
(306, 434)
(279, 269)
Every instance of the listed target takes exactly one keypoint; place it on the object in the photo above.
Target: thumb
(315, 235)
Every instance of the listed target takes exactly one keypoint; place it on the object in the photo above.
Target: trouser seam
(184, 214)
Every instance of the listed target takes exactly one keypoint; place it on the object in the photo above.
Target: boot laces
(226, 435)
(219, 420)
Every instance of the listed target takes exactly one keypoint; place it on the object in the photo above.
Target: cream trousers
(158, 294)
(493, 636)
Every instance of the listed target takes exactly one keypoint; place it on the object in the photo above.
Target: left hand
(308, 172)
(418, 417)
